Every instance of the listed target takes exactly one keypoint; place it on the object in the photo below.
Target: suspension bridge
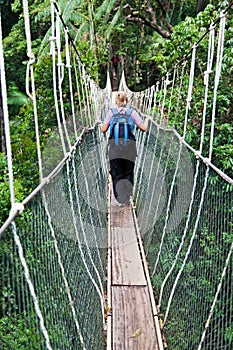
(77, 271)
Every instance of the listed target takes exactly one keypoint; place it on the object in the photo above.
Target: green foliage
(5, 201)
(15, 100)
(17, 6)
(174, 51)
(15, 55)
(186, 33)
(15, 333)
(4, 189)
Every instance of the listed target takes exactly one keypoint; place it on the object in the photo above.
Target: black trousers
(122, 173)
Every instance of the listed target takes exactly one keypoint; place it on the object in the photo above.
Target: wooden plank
(132, 312)
(133, 326)
(127, 267)
(121, 216)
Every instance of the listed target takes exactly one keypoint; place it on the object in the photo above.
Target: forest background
(150, 35)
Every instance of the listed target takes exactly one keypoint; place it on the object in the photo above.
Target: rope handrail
(19, 207)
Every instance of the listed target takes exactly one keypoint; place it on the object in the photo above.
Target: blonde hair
(121, 99)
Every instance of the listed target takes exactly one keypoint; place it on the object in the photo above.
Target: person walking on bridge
(115, 60)
(122, 146)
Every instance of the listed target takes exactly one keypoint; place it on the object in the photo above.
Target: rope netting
(62, 240)
(186, 226)
(184, 201)
(53, 271)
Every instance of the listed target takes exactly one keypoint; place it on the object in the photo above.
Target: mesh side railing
(63, 236)
(185, 213)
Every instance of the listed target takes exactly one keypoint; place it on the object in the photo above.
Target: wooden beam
(133, 324)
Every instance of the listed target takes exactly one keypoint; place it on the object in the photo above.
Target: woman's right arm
(138, 120)
(104, 127)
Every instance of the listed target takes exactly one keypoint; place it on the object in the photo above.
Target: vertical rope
(77, 74)
(190, 88)
(217, 76)
(86, 89)
(53, 53)
(172, 89)
(206, 81)
(162, 94)
(152, 94)
(179, 92)
(68, 65)
(30, 74)
(60, 66)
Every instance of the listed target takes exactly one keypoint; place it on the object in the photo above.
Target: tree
(151, 15)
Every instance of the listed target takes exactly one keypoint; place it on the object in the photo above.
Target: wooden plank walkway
(133, 324)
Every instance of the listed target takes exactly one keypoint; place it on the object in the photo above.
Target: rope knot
(45, 180)
(206, 74)
(222, 14)
(212, 26)
(52, 38)
(206, 160)
(31, 57)
(60, 63)
(197, 154)
(17, 208)
(68, 155)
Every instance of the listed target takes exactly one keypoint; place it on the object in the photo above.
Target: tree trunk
(201, 5)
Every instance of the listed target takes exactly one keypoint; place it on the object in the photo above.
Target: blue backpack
(121, 127)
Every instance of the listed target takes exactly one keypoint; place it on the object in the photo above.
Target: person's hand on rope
(99, 123)
(146, 122)
(144, 125)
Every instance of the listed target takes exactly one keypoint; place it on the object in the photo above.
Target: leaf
(136, 333)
